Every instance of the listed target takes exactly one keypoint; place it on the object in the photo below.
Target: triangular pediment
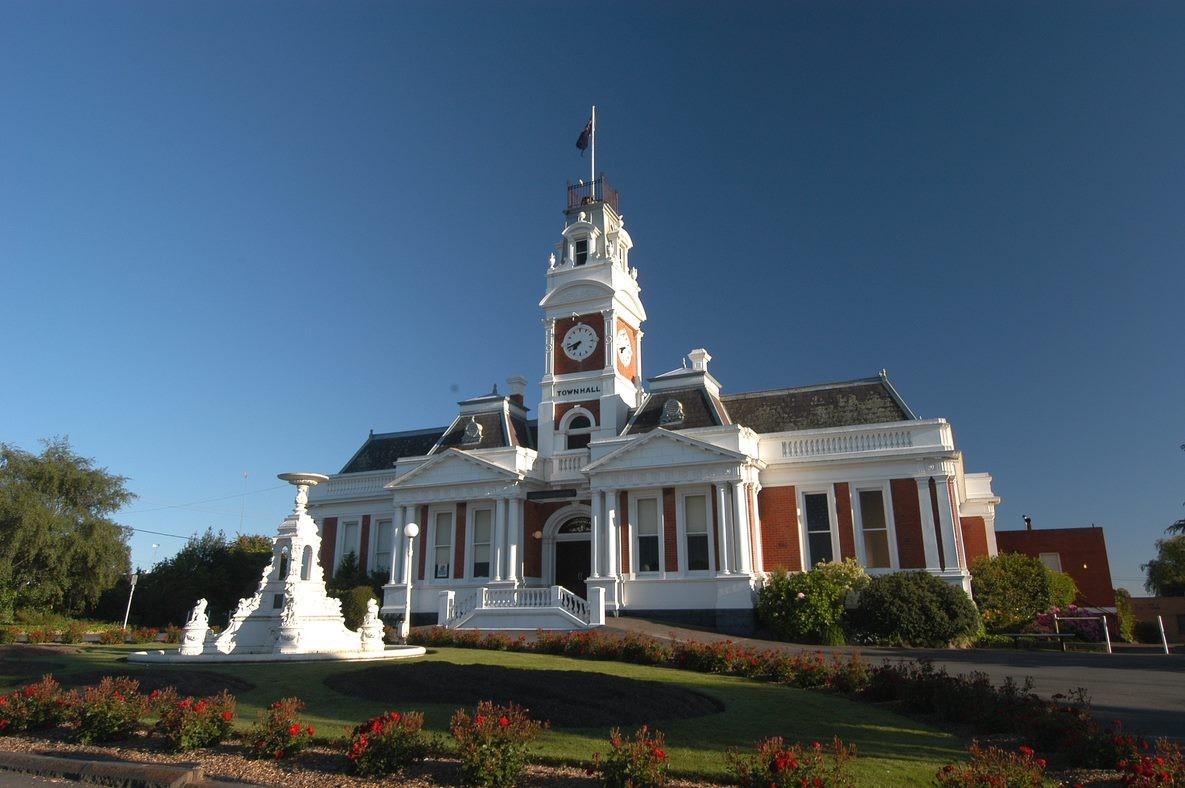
(662, 448)
(453, 467)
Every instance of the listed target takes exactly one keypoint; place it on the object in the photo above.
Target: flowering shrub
(1164, 766)
(112, 637)
(144, 634)
(278, 733)
(192, 723)
(108, 711)
(809, 606)
(994, 768)
(777, 765)
(640, 762)
(74, 632)
(40, 635)
(1090, 629)
(172, 634)
(493, 743)
(32, 707)
(388, 743)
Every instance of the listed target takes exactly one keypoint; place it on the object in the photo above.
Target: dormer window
(580, 251)
(579, 432)
(672, 412)
(472, 435)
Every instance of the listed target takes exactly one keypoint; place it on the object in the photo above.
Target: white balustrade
(454, 610)
(354, 485)
(567, 464)
(897, 437)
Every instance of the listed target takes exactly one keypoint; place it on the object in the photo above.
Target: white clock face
(625, 348)
(580, 342)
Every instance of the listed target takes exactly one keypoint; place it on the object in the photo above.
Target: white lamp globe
(411, 530)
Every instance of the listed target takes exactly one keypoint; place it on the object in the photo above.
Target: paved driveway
(1144, 691)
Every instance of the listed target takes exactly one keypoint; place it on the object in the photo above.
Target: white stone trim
(808, 561)
(471, 510)
(430, 546)
(858, 523)
(681, 496)
(550, 537)
(634, 497)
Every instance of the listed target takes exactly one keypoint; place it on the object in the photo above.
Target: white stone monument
(290, 617)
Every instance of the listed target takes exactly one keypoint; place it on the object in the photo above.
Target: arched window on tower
(579, 432)
(306, 562)
(580, 251)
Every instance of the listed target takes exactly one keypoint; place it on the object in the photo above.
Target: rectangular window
(695, 521)
(1052, 561)
(482, 528)
(875, 529)
(818, 528)
(382, 546)
(647, 534)
(350, 531)
(580, 251)
(443, 545)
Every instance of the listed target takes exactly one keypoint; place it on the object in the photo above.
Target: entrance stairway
(553, 608)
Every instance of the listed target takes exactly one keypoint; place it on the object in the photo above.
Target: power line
(205, 500)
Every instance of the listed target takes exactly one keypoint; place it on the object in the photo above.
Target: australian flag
(586, 135)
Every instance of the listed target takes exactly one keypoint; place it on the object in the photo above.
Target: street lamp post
(411, 531)
(132, 578)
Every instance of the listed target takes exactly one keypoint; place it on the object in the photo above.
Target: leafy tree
(809, 606)
(1125, 612)
(1010, 590)
(210, 566)
(1166, 572)
(348, 576)
(59, 548)
(1176, 528)
(1063, 591)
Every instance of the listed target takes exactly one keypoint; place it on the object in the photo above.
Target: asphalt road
(1146, 692)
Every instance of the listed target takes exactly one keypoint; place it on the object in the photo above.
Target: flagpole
(593, 146)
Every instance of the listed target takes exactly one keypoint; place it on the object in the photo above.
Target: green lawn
(893, 750)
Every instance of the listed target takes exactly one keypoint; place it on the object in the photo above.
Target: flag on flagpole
(585, 136)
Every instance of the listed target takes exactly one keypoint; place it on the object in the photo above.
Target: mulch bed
(317, 767)
(565, 698)
(187, 682)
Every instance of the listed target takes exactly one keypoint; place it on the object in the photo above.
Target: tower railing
(586, 193)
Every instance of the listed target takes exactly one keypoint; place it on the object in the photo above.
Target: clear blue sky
(236, 236)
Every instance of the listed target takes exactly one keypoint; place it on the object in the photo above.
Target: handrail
(577, 606)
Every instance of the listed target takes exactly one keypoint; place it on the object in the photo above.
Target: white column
(948, 525)
(610, 333)
(724, 543)
(741, 523)
(499, 536)
(751, 490)
(598, 523)
(514, 525)
(929, 541)
(396, 544)
(612, 535)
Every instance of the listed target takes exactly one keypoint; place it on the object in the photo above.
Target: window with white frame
(482, 530)
(1052, 561)
(579, 431)
(382, 545)
(350, 531)
(580, 251)
(648, 553)
(695, 532)
(442, 546)
(818, 528)
(874, 528)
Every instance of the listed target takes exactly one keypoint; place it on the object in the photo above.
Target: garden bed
(564, 698)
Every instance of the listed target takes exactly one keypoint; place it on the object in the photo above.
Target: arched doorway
(567, 548)
(573, 554)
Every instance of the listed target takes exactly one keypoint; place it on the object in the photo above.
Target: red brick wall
(459, 561)
(623, 510)
(779, 528)
(328, 539)
(1083, 553)
(364, 543)
(535, 515)
(907, 518)
(975, 543)
(565, 365)
(670, 535)
(843, 516)
(592, 406)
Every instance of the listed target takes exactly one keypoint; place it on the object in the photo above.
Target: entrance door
(572, 562)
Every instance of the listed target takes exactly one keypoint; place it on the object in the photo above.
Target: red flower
(503, 721)
(395, 716)
(1041, 762)
(200, 707)
(279, 754)
(479, 719)
(228, 715)
(659, 753)
(185, 703)
(376, 725)
(1026, 749)
(312, 731)
(293, 729)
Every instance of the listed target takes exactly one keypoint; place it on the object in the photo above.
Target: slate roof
(382, 450)
(697, 411)
(493, 433)
(863, 401)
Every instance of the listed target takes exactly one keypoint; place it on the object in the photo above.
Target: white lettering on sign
(581, 391)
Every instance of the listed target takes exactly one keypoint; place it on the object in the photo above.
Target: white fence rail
(453, 611)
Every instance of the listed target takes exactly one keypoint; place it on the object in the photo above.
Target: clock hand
(575, 344)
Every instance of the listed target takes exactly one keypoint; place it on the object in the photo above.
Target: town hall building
(666, 496)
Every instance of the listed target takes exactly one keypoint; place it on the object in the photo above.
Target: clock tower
(592, 325)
